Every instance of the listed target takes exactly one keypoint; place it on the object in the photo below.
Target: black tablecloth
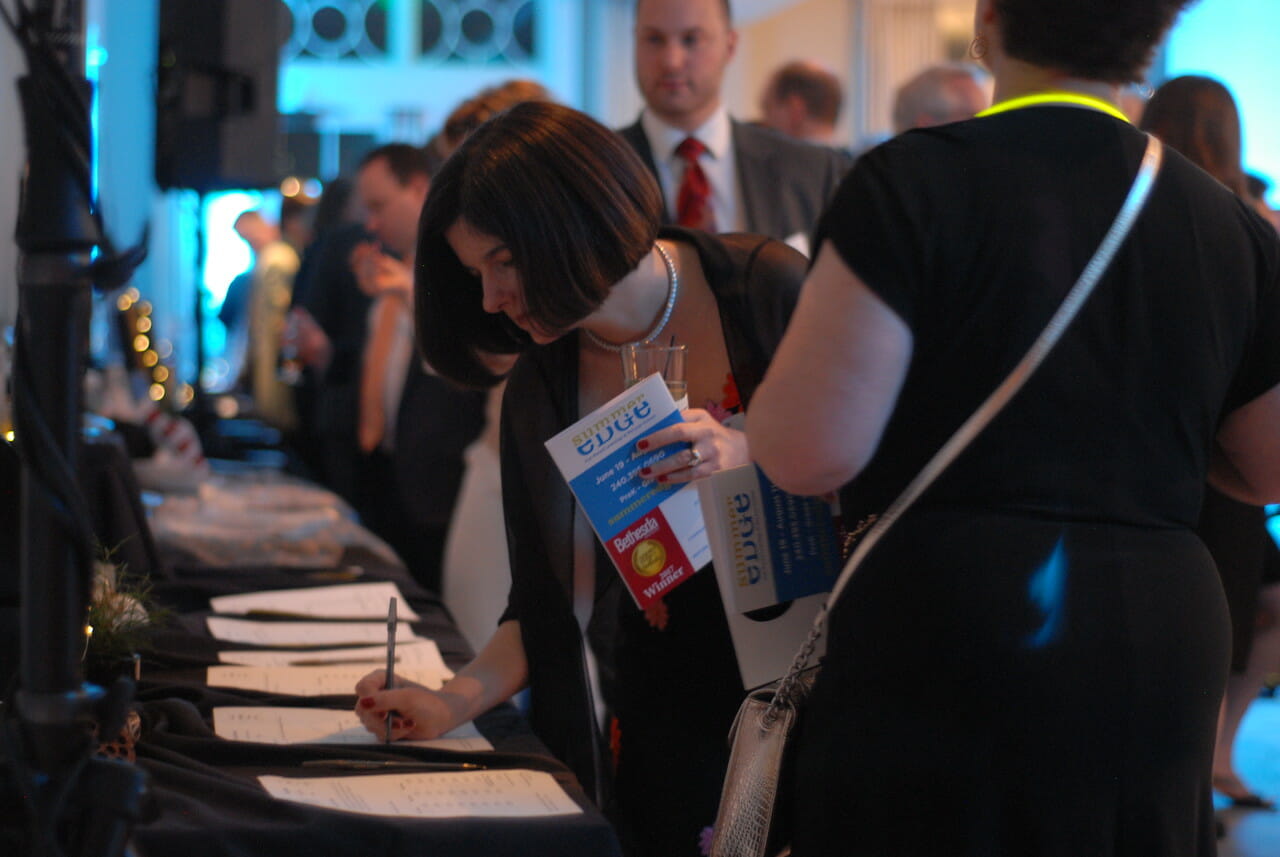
(204, 798)
(206, 794)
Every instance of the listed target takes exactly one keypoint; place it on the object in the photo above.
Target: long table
(206, 798)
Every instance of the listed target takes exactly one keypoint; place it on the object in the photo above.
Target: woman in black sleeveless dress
(1031, 660)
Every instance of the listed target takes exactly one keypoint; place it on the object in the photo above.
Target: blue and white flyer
(776, 557)
(652, 531)
(779, 546)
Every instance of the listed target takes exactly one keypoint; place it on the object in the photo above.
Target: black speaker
(216, 122)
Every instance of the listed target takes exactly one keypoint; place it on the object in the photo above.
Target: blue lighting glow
(1235, 41)
(1048, 591)
(95, 57)
(226, 254)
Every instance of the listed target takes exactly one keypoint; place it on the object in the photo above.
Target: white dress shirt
(718, 162)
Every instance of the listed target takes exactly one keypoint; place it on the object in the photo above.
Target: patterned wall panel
(477, 30)
(337, 29)
(448, 31)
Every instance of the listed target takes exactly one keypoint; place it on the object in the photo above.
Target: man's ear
(420, 184)
(731, 43)
(797, 112)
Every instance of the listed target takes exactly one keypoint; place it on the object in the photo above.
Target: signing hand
(421, 714)
(707, 445)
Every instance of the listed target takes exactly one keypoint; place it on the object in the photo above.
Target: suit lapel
(754, 176)
(634, 134)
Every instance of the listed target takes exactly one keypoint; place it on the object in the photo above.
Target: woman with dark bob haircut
(540, 236)
(1030, 661)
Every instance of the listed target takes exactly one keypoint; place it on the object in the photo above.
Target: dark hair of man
(1101, 40)
(1198, 117)
(404, 161)
(331, 210)
(575, 206)
(819, 90)
(728, 12)
(1256, 185)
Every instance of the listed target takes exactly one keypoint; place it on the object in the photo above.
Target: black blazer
(785, 183)
(436, 422)
(756, 282)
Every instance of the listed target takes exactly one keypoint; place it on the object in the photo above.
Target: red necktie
(693, 200)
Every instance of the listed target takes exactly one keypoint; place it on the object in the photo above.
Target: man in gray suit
(735, 177)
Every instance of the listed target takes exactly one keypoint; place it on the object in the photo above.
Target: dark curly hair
(1106, 40)
(569, 198)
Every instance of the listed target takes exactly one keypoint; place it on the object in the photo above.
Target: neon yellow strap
(1057, 97)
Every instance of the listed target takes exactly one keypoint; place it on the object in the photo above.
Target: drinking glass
(642, 359)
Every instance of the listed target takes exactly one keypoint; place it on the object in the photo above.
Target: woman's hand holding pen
(711, 447)
(420, 713)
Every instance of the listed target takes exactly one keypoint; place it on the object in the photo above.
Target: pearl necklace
(673, 289)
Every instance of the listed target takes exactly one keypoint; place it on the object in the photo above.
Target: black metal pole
(56, 235)
(73, 803)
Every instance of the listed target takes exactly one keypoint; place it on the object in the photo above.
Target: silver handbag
(749, 821)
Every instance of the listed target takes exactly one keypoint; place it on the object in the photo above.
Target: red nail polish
(407, 724)
(643, 444)
(645, 471)
(662, 478)
(366, 702)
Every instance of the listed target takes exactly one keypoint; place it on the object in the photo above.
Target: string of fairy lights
(147, 355)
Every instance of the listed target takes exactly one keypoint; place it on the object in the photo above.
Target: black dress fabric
(1031, 661)
(1236, 535)
(674, 692)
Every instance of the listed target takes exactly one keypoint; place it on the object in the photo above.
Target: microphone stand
(73, 802)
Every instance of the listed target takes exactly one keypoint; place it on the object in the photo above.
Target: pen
(376, 764)
(391, 658)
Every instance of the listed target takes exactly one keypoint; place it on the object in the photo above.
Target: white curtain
(893, 40)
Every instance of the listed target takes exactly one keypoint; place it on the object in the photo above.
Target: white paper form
(514, 793)
(423, 653)
(343, 601)
(268, 725)
(304, 633)
(312, 681)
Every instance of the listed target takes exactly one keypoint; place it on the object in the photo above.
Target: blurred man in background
(802, 100)
(412, 425)
(950, 92)
(718, 174)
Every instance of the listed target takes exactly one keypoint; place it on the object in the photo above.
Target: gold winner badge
(649, 558)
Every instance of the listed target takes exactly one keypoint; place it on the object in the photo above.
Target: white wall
(365, 96)
(819, 30)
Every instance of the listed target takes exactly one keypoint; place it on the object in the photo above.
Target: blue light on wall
(1238, 43)
(95, 57)
(226, 255)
